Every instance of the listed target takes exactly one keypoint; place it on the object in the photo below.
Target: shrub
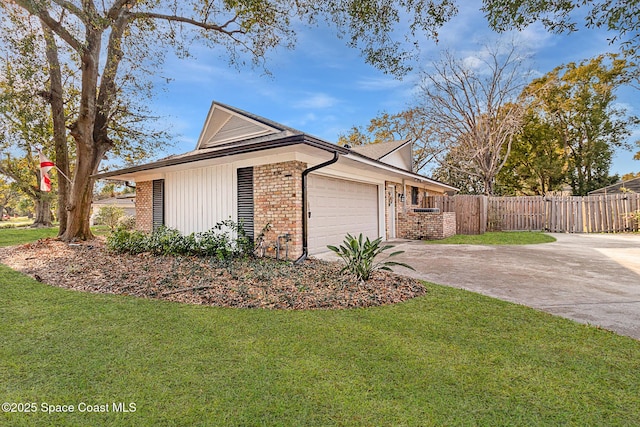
(127, 222)
(218, 242)
(109, 216)
(125, 241)
(359, 256)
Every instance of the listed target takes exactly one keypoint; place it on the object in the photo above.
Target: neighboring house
(254, 170)
(629, 186)
(127, 202)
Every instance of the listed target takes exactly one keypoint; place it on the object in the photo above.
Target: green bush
(359, 256)
(109, 216)
(126, 241)
(226, 240)
(127, 222)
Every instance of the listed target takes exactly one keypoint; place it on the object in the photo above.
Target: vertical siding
(197, 199)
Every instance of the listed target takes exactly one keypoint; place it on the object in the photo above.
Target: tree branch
(55, 26)
(175, 18)
(73, 9)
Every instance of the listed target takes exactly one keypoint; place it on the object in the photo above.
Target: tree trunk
(59, 126)
(79, 207)
(43, 213)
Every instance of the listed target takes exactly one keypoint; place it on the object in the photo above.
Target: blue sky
(324, 88)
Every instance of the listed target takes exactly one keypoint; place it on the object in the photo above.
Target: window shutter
(245, 199)
(158, 203)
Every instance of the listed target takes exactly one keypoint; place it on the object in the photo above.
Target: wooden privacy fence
(589, 214)
(471, 211)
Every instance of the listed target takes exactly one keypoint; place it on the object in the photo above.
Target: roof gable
(397, 153)
(226, 124)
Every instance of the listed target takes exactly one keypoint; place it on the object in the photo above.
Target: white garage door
(339, 207)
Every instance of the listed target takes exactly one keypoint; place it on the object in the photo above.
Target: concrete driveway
(590, 278)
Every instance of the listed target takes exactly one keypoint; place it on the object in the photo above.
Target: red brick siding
(144, 206)
(277, 197)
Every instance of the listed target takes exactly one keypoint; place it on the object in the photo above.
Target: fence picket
(588, 214)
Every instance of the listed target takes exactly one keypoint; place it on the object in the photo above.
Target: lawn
(450, 357)
(498, 238)
(12, 222)
(17, 236)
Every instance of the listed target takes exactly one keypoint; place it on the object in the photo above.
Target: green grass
(20, 221)
(449, 358)
(18, 236)
(498, 238)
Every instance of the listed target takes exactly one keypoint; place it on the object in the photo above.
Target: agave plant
(359, 256)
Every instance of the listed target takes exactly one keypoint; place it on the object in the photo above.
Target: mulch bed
(251, 283)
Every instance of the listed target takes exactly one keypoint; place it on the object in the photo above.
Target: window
(414, 195)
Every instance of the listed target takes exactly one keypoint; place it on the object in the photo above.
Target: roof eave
(229, 151)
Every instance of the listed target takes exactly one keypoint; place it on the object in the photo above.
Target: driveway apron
(590, 278)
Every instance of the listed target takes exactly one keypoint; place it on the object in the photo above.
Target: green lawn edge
(449, 358)
(498, 238)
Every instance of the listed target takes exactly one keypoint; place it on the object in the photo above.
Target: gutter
(305, 237)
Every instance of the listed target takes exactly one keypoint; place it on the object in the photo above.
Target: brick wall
(277, 197)
(403, 208)
(426, 225)
(144, 206)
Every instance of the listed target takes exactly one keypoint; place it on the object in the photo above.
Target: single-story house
(126, 202)
(628, 186)
(251, 169)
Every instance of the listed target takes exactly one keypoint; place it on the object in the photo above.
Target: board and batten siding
(198, 199)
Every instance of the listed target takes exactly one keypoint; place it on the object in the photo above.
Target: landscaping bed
(242, 283)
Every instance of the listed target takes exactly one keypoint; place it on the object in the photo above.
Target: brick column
(277, 198)
(144, 206)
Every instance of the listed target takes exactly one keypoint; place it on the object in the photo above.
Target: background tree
(475, 110)
(113, 43)
(408, 124)
(621, 18)
(578, 102)
(25, 125)
(8, 195)
(537, 163)
(630, 175)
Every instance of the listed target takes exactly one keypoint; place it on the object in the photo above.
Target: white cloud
(316, 101)
(379, 83)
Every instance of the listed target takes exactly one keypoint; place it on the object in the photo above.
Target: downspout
(305, 240)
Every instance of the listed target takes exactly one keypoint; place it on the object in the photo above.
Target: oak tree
(113, 45)
(474, 108)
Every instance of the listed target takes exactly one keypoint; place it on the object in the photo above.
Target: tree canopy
(113, 47)
(620, 17)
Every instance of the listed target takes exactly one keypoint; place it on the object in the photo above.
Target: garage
(337, 207)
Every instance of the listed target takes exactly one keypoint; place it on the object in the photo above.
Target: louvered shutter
(158, 203)
(245, 199)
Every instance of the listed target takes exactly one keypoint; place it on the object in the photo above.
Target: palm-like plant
(359, 256)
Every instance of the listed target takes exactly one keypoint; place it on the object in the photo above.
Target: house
(257, 171)
(628, 186)
(126, 202)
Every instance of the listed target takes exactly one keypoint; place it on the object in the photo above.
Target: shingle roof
(379, 150)
(631, 185)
